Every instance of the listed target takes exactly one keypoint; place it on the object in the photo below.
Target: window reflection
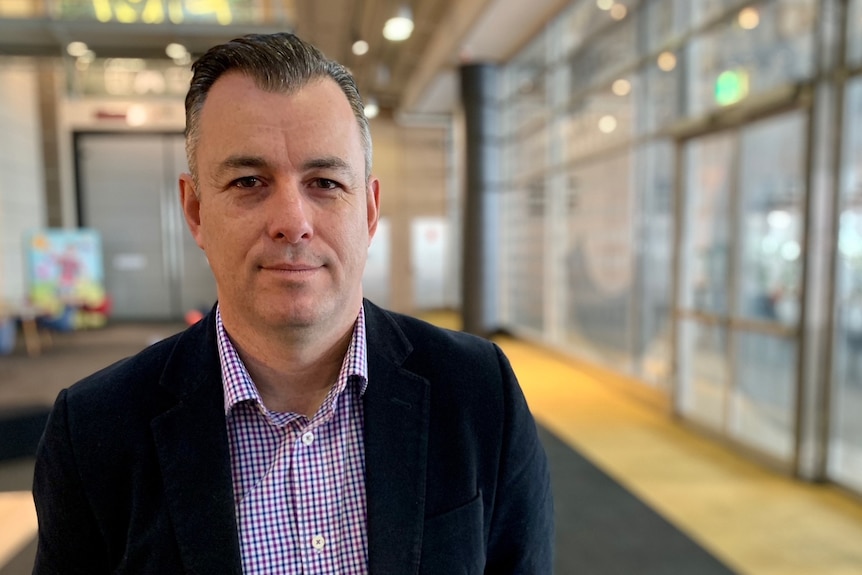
(704, 372)
(707, 224)
(771, 216)
(845, 460)
(762, 407)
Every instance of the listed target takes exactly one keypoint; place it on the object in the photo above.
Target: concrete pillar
(479, 93)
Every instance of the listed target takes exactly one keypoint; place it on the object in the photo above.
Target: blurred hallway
(749, 519)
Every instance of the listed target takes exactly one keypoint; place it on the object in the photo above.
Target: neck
(292, 371)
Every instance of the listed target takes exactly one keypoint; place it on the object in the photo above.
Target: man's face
(282, 208)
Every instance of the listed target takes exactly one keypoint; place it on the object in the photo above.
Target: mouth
(293, 267)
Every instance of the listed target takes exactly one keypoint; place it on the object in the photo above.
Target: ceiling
(417, 76)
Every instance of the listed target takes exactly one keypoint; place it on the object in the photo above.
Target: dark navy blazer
(133, 473)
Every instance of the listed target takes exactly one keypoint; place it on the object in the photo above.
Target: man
(297, 428)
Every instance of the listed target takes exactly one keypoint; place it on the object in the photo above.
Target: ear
(191, 208)
(373, 206)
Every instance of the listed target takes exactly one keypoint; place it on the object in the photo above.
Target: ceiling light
(76, 49)
(607, 124)
(176, 51)
(621, 87)
(360, 47)
(666, 61)
(371, 108)
(618, 11)
(399, 27)
(604, 4)
(136, 115)
(749, 18)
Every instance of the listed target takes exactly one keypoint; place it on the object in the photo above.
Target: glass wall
(845, 459)
(854, 38)
(631, 124)
(523, 206)
(767, 283)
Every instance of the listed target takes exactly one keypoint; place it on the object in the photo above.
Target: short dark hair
(279, 62)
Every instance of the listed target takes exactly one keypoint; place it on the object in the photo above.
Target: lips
(290, 267)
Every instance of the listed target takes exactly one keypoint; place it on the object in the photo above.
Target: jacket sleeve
(69, 538)
(521, 538)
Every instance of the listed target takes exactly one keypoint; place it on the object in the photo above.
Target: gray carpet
(602, 529)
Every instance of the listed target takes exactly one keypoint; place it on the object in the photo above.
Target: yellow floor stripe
(17, 523)
(757, 521)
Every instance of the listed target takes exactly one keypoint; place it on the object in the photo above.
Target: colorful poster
(65, 269)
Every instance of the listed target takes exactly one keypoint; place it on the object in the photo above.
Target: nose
(289, 218)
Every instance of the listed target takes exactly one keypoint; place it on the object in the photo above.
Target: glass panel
(854, 38)
(660, 99)
(666, 21)
(655, 164)
(602, 120)
(599, 261)
(703, 372)
(767, 46)
(703, 11)
(524, 226)
(772, 196)
(527, 64)
(763, 399)
(604, 57)
(586, 19)
(845, 461)
(707, 224)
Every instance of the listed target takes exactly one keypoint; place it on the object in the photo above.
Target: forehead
(237, 109)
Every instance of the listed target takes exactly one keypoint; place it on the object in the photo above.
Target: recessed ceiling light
(399, 27)
(176, 51)
(76, 49)
(371, 108)
(360, 47)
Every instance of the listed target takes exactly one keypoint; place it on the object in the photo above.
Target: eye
(326, 184)
(247, 182)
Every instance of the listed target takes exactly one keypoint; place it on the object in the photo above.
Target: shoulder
(138, 383)
(118, 378)
(434, 347)
(468, 376)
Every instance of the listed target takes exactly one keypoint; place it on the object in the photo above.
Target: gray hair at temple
(277, 63)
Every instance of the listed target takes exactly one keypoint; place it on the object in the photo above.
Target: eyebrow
(329, 163)
(325, 163)
(234, 162)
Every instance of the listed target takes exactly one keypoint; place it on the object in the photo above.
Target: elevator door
(128, 191)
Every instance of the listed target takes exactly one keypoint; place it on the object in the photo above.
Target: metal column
(479, 89)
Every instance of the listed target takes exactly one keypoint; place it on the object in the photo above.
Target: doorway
(740, 281)
(128, 192)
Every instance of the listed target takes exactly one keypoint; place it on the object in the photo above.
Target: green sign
(731, 86)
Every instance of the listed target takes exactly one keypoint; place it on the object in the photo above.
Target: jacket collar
(192, 449)
(396, 407)
(192, 446)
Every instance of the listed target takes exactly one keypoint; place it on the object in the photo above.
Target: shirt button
(318, 542)
(308, 438)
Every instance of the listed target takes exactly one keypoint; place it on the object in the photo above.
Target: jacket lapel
(191, 441)
(396, 407)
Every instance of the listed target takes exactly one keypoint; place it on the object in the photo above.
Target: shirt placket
(312, 491)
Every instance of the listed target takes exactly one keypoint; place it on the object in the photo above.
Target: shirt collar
(239, 387)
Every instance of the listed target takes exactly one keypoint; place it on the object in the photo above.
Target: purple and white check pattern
(299, 484)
